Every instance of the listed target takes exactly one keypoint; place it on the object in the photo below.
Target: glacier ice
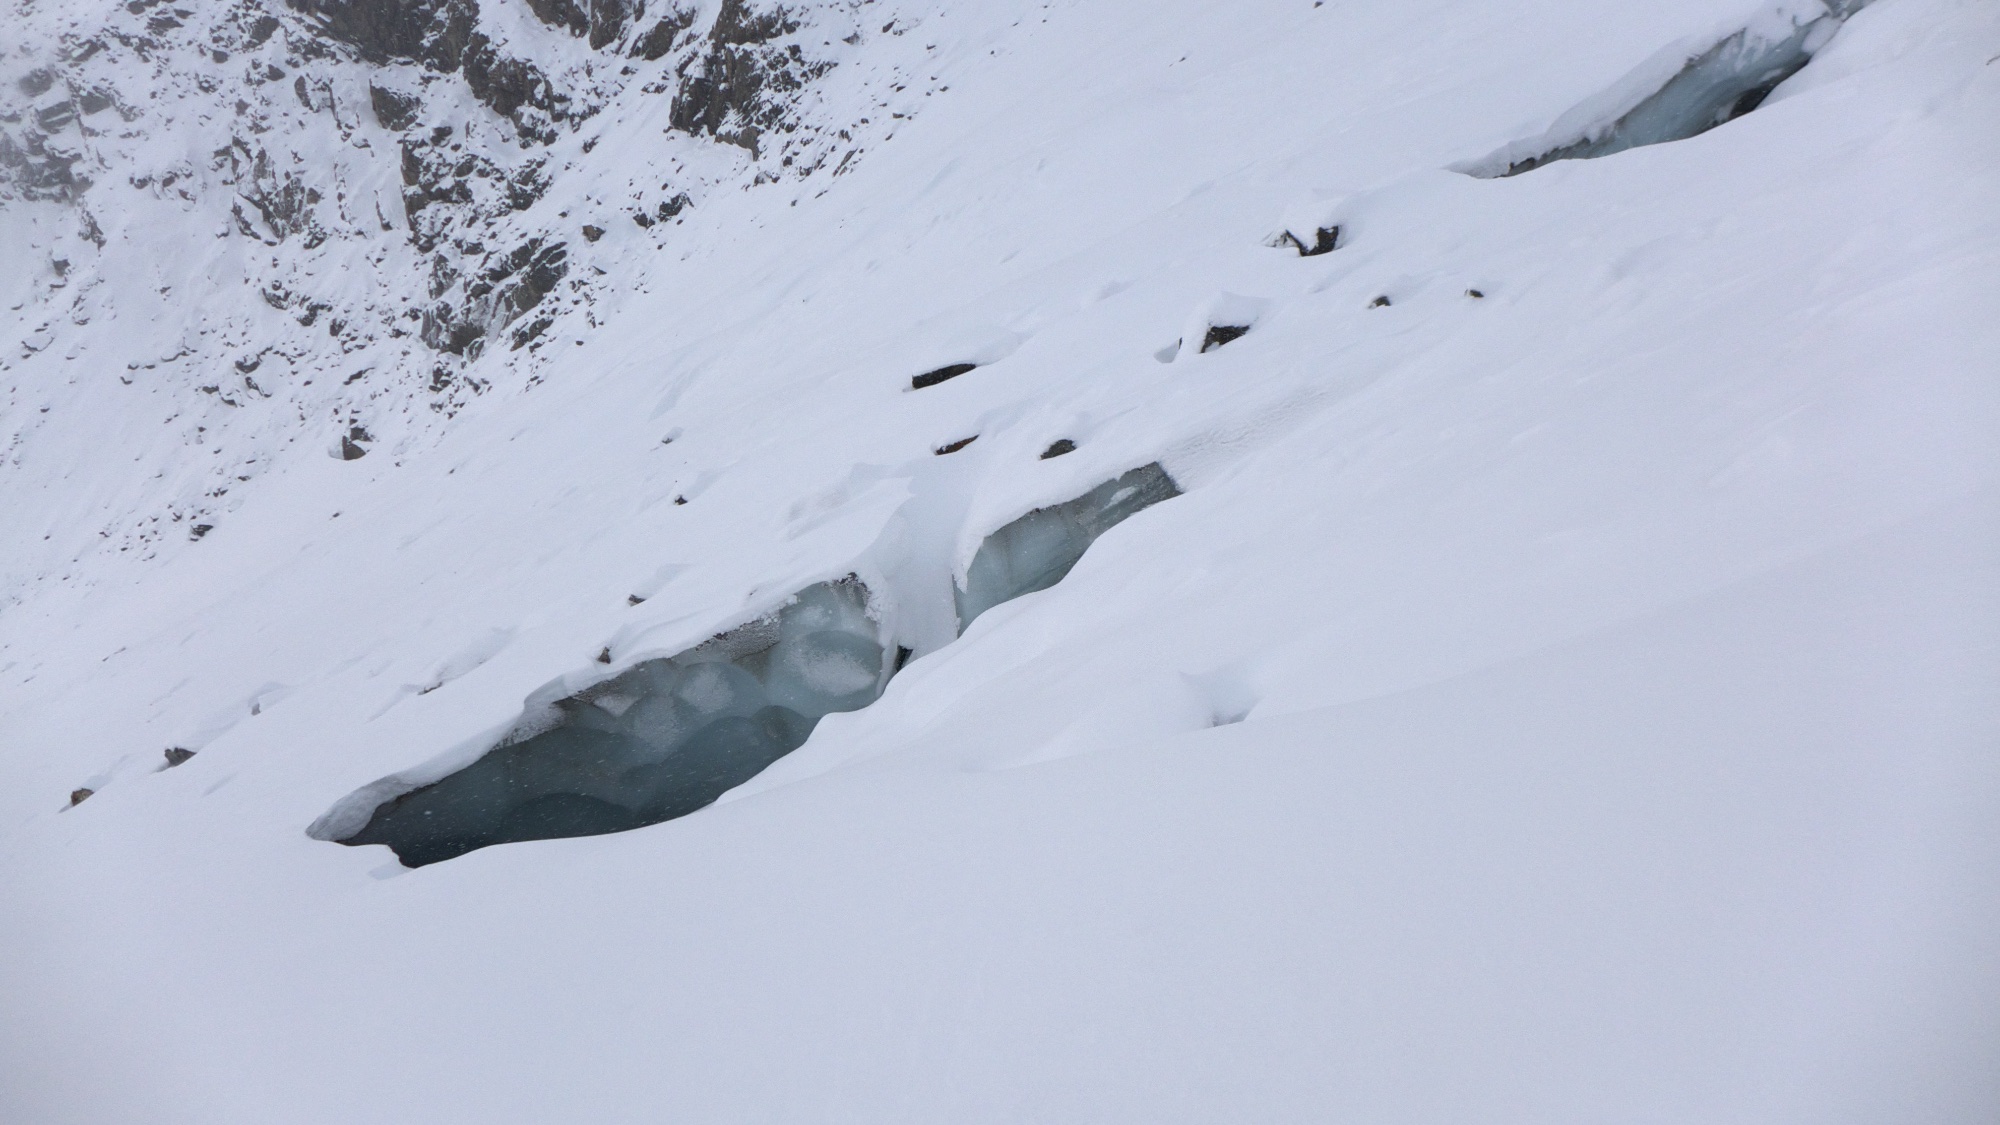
(668, 736)
(658, 741)
(1036, 551)
(1726, 81)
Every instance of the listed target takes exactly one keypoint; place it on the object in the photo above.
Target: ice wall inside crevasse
(1036, 551)
(1726, 81)
(658, 741)
(669, 736)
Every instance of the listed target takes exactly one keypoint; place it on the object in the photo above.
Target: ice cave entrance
(666, 737)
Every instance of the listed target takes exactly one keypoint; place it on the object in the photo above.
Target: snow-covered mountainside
(1287, 561)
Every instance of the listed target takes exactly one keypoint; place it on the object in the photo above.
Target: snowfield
(1566, 689)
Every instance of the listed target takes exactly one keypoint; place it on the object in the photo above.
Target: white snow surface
(1579, 703)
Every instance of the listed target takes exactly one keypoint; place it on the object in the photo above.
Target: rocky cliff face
(342, 214)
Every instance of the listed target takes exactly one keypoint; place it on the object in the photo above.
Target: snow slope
(1576, 702)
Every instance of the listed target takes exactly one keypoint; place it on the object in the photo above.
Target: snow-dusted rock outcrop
(276, 224)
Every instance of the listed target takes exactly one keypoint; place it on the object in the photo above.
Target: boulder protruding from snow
(1325, 240)
(1220, 334)
(938, 375)
(393, 111)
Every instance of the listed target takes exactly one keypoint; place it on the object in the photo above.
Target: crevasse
(669, 736)
(1720, 84)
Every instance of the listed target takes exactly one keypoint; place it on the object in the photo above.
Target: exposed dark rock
(659, 39)
(351, 444)
(199, 530)
(511, 87)
(1381, 302)
(1220, 334)
(736, 24)
(281, 203)
(176, 755)
(510, 285)
(528, 332)
(933, 378)
(395, 111)
(79, 796)
(39, 171)
(1474, 293)
(955, 446)
(443, 330)
(566, 14)
(526, 186)
(38, 82)
(433, 32)
(607, 21)
(602, 20)
(592, 233)
(735, 92)
(1058, 447)
(1325, 240)
(539, 269)
(55, 118)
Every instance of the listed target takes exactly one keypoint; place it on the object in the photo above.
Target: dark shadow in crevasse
(659, 741)
(669, 736)
(1719, 85)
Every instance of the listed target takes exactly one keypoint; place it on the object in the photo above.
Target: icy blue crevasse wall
(1036, 551)
(664, 738)
(1719, 85)
(667, 737)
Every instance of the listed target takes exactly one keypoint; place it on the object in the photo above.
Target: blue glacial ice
(1718, 85)
(666, 737)
(1036, 551)
(660, 740)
